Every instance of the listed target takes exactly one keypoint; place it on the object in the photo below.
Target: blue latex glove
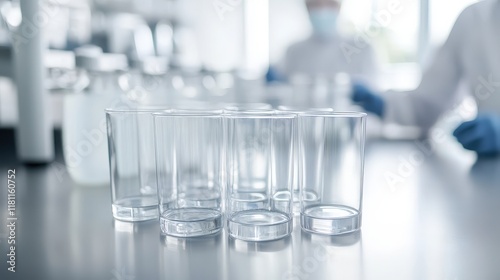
(481, 135)
(369, 100)
(273, 75)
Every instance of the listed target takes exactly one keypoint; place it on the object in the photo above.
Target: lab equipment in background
(151, 82)
(279, 94)
(163, 37)
(65, 23)
(249, 107)
(194, 87)
(132, 163)
(249, 89)
(60, 70)
(124, 31)
(35, 143)
(84, 123)
(143, 42)
(331, 156)
(61, 77)
(259, 162)
(80, 24)
(61, 25)
(189, 153)
(148, 83)
(132, 34)
(340, 90)
(9, 16)
(320, 91)
(220, 86)
(188, 86)
(296, 163)
(185, 54)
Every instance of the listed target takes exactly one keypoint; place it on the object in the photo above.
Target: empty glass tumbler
(296, 184)
(259, 162)
(189, 152)
(132, 164)
(331, 157)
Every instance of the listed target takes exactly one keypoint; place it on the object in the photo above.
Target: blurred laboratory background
(191, 53)
(186, 53)
(430, 204)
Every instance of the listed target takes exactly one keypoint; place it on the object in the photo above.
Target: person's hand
(481, 135)
(273, 75)
(369, 100)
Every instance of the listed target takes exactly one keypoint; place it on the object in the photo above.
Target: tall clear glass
(296, 190)
(260, 149)
(132, 164)
(189, 152)
(331, 156)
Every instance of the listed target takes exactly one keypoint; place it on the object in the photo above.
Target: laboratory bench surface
(427, 214)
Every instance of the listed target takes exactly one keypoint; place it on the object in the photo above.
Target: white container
(84, 121)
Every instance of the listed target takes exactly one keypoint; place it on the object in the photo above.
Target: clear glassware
(259, 152)
(321, 89)
(331, 157)
(132, 163)
(296, 190)
(189, 153)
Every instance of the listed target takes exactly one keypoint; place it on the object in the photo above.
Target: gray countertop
(426, 215)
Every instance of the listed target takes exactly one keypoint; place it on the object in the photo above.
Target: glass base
(135, 209)
(190, 222)
(309, 197)
(330, 219)
(199, 198)
(248, 201)
(259, 225)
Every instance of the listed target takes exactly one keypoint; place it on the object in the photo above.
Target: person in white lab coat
(326, 51)
(471, 54)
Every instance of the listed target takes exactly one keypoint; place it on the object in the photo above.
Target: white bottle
(84, 122)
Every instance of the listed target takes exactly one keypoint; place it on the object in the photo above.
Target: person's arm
(436, 93)
(438, 88)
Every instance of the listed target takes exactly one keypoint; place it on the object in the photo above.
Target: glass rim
(200, 111)
(187, 114)
(137, 110)
(335, 114)
(259, 115)
(251, 107)
(299, 110)
(267, 112)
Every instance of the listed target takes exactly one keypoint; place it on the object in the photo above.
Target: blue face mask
(324, 22)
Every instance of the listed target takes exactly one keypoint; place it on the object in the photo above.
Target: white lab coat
(471, 55)
(316, 56)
